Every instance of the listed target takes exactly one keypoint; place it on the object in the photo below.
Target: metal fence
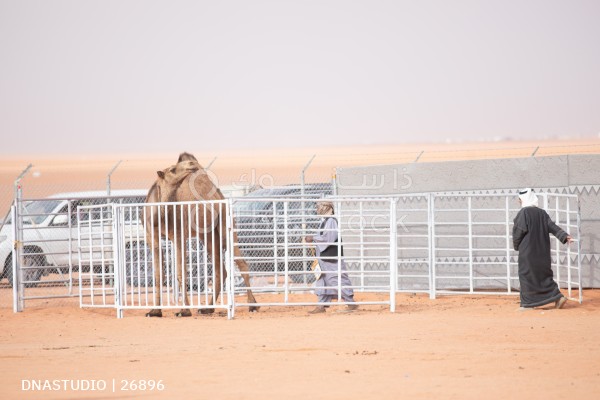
(42, 259)
(473, 249)
(142, 237)
(433, 243)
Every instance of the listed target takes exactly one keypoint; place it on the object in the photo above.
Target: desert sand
(453, 347)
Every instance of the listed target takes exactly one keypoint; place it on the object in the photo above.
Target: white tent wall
(573, 174)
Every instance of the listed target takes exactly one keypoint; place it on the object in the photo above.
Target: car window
(252, 207)
(36, 212)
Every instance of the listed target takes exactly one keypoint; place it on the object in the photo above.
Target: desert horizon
(60, 173)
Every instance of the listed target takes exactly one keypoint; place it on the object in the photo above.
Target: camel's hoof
(254, 309)
(184, 313)
(205, 311)
(154, 313)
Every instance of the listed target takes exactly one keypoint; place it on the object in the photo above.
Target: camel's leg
(156, 312)
(215, 255)
(244, 269)
(182, 275)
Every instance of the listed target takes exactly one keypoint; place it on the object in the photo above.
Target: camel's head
(175, 174)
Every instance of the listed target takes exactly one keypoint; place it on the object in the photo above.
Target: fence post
(508, 242)
(579, 250)
(17, 254)
(431, 212)
(210, 164)
(230, 257)
(108, 177)
(470, 222)
(419, 156)
(303, 212)
(286, 279)
(568, 223)
(393, 254)
(334, 182)
(535, 151)
(118, 265)
(17, 307)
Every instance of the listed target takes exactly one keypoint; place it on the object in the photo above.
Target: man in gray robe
(326, 244)
(531, 230)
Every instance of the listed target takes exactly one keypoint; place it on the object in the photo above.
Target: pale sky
(150, 76)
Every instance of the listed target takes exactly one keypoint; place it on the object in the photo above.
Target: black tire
(8, 270)
(34, 275)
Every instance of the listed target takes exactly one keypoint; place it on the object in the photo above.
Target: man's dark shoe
(317, 310)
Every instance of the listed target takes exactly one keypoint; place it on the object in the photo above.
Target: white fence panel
(95, 226)
(432, 243)
(473, 249)
(271, 236)
(189, 242)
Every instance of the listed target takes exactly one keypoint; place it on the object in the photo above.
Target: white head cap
(528, 198)
(324, 207)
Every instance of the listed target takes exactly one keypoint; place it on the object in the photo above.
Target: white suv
(50, 232)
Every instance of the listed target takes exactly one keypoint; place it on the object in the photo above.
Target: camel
(186, 181)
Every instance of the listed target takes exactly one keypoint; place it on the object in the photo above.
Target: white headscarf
(324, 207)
(528, 198)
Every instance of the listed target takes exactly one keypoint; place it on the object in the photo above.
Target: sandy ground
(453, 347)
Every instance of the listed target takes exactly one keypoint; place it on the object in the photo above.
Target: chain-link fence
(301, 174)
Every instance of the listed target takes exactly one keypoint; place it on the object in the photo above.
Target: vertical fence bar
(362, 244)
(556, 241)
(15, 289)
(275, 243)
(229, 245)
(508, 243)
(189, 283)
(228, 273)
(163, 229)
(18, 254)
(338, 207)
(79, 256)
(470, 225)
(285, 252)
(102, 256)
(70, 240)
(579, 251)
(568, 224)
(393, 253)
(145, 249)
(118, 258)
(431, 243)
(181, 289)
(205, 256)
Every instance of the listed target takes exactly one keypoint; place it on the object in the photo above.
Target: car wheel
(34, 275)
(8, 270)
